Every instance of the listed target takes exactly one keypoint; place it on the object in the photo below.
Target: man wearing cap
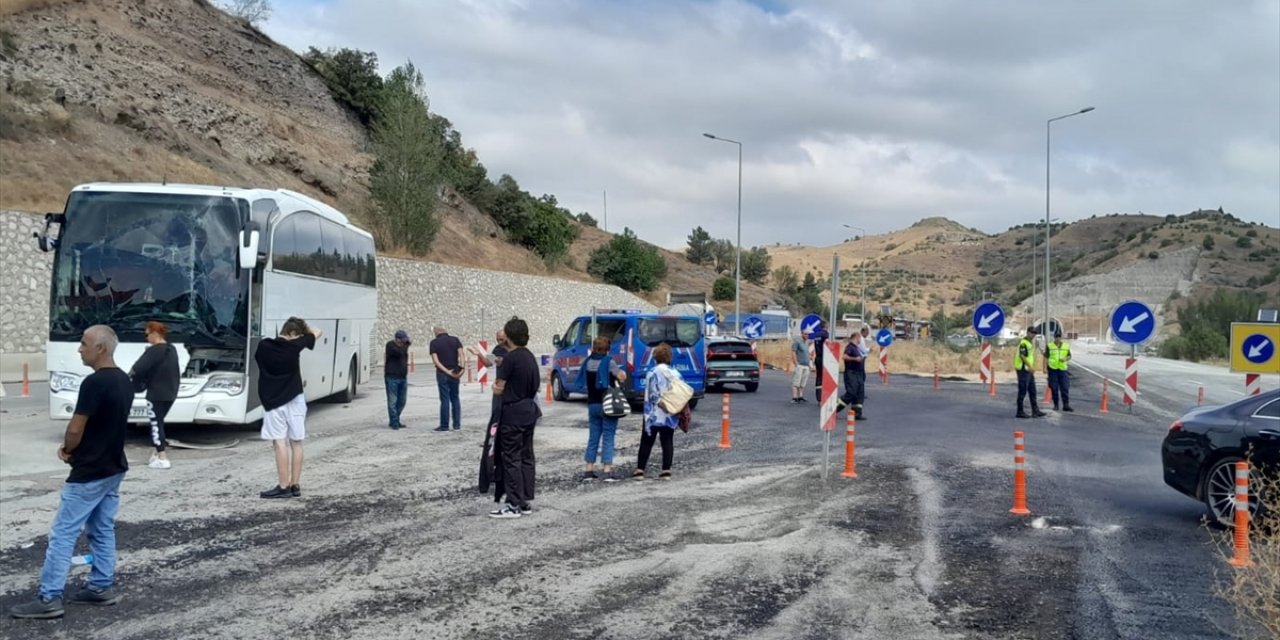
(819, 337)
(1056, 355)
(395, 372)
(1023, 362)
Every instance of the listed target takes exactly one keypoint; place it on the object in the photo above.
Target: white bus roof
(289, 201)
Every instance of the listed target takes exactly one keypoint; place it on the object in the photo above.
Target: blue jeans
(449, 397)
(601, 426)
(397, 393)
(91, 506)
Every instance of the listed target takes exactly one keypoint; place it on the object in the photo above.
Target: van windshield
(677, 332)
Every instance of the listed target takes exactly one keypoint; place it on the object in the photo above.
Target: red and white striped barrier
(1131, 381)
(830, 389)
(984, 367)
(1252, 384)
(482, 371)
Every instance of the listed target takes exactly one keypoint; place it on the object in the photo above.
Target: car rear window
(677, 332)
(729, 347)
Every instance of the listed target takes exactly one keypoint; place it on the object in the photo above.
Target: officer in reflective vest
(1023, 361)
(1057, 354)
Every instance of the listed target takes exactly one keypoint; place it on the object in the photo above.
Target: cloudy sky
(873, 114)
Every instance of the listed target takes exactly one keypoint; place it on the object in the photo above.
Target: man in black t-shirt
(447, 354)
(517, 385)
(94, 447)
(395, 371)
(283, 403)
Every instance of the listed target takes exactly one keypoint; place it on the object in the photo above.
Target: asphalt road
(390, 540)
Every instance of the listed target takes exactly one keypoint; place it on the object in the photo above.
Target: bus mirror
(44, 240)
(248, 248)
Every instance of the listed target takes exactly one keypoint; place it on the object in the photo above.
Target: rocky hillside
(177, 90)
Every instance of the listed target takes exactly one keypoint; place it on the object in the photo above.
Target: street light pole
(1047, 225)
(737, 271)
(862, 301)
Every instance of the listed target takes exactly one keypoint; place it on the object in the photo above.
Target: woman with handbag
(663, 388)
(604, 406)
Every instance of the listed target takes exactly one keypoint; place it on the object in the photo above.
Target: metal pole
(1047, 129)
(737, 274)
(606, 209)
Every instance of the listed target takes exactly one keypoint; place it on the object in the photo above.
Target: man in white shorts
(800, 360)
(283, 403)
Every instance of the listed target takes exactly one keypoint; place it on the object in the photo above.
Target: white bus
(222, 267)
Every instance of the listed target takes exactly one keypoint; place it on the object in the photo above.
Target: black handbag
(615, 403)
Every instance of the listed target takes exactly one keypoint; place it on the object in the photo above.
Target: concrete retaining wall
(413, 295)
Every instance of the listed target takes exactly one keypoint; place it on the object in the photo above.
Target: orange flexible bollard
(1200, 396)
(1241, 558)
(549, 399)
(470, 379)
(1106, 382)
(26, 381)
(993, 384)
(850, 447)
(937, 382)
(1019, 477)
(724, 423)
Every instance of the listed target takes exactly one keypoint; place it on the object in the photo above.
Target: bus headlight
(59, 381)
(230, 385)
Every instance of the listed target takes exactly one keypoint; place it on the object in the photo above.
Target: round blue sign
(810, 323)
(988, 319)
(884, 337)
(753, 327)
(1133, 322)
(1258, 348)
(710, 318)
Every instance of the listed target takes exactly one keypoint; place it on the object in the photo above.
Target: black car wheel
(557, 388)
(752, 386)
(1220, 492)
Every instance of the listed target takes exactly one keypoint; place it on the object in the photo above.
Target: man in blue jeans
(94, 447)
(395, 372)
(447, 354)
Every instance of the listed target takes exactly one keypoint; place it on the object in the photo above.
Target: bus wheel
(557, 388)
(349, 394)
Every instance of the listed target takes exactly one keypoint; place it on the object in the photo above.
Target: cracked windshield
(126, 258)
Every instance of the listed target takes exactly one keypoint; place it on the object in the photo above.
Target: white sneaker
(157, 462)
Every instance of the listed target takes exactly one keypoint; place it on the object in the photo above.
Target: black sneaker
(1039, 414)
(96, 597)
(276, 492)
(795, 401)
(296, 490)
(803, 400)
(401, 425)
(612, 476)
(1021, 415)
(441, 429)
(507, 511)
(1068, 409)
(588, 476)
(39, 609)
(393, 427)
(858, 418)
(457, 427)
(526, 510)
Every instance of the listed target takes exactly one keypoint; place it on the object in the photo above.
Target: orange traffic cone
(1048, 393)
(549, 399)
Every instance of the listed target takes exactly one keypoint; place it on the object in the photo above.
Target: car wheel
(752, 386)
(349, 394)
(557, 388)
(1220, 491)
(693, 404)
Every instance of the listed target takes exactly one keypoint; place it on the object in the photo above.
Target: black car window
(1269, 410)
(717, 348)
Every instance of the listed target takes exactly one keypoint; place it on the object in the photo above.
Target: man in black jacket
(396, 375)
(283, 403)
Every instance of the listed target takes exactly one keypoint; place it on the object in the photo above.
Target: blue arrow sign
(710, 318)
(1258, 348)
(1133, 322)
(988, 319)
(884, 337)
(810, 323)
(753, 327)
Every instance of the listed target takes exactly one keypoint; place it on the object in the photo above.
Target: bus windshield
(125, 258)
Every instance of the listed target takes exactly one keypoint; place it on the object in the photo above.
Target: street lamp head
(1086, 110)
(709, 136)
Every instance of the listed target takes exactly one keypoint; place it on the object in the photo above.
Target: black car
(732, 361)
(1203, 446)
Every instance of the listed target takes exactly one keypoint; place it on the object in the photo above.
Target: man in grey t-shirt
(800, 360)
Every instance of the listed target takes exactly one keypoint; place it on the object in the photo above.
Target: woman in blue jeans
(602, 427)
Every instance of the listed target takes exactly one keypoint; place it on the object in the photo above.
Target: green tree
(755, 265)
(628, 262)
(1244, 242)
(406, 174)
(587, 219)
(723, 289)
(786, 281)
(700, 247)
(548, 229)
(1208, 242)
(1206, 323)
(352, 78)
(726, 256)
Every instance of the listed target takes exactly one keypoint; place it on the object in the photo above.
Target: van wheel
(557, 388)
(349, 394)
(693, 403)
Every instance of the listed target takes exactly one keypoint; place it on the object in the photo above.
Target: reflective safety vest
(1057, 355)
(1026, 355)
